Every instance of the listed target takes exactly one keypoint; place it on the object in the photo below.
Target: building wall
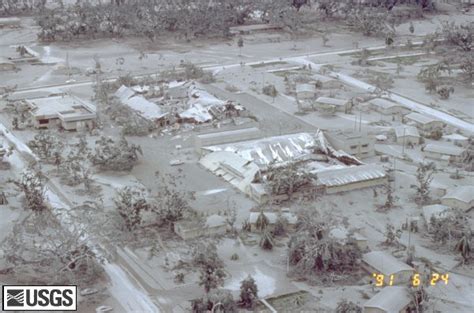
(400, 278)
(439, 156)
(360, 147)
(408, 139)
(373, 310)
(305, 95)
(78, 125)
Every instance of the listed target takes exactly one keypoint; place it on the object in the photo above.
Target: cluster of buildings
(243, 162)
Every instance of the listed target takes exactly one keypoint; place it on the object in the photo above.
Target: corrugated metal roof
(385, 263)
(391, 299)
(444, 149)
(406, 130)
(462, 193)
(353, 174)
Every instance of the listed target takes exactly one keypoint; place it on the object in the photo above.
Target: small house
(407, 135)
(444, 153)
(68, 112)
(213, 225)
(387, 107)
(461, 198)
(380, 262)
(332, 105)
(391, 299)
(424, 123)
(326, 82)
(305, 91)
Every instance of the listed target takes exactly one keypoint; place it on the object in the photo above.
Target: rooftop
(444, 149)
(66, 107)
(305, 87)
(420, 118)
(385, 263)
(406, 130)
(280, 148)
(332, 101)
(347, 175)
(461, 193)
(384, 103)
(391, 299)
(139, 104)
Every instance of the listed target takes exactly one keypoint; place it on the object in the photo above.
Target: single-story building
(68, 112)
(445, 153)
(326, 81)
(332, 105)
(342, 235)
(407, 135)
(461, 198)
(305, 91)
(178, 90)
(380, 262)
(391, 299)
(6, 65)
(387, 107)
(213, 225)
(434, 211)
(272, 218)
(424, 123)
(457, 139)
(351, 178)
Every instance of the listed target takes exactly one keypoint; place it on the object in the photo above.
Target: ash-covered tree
(115, 156)
(172, 202)
(130, 204)
(41, 250)
(45, 145)
(312, 252)
(390, 198)
(286, 179)
(210, 266)
(215, 301)
(75, 171)
(424, 176)
(31, 184)
(248, 293)
(390, 235)
(345, 306)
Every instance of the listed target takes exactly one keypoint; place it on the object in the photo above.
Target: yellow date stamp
(382, 280)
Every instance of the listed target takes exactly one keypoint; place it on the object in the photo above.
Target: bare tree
(32, 185)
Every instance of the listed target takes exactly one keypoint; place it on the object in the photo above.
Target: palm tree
(262, 221)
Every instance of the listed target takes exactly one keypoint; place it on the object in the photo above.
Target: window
(365, 146)
(353, 147)
(43, 121)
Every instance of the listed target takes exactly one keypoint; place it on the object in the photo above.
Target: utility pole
(403, 147)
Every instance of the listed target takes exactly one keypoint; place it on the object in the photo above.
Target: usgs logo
(39, 298)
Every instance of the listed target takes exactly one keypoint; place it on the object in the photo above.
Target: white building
(380, 262)
(343, 236)
(326, 81)
(387, 107)
(444, 153)
(360, 145)
(424, 123)
(305, 91)
(68, 112)
(407, 135)
(391, 299)
(461, 198)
